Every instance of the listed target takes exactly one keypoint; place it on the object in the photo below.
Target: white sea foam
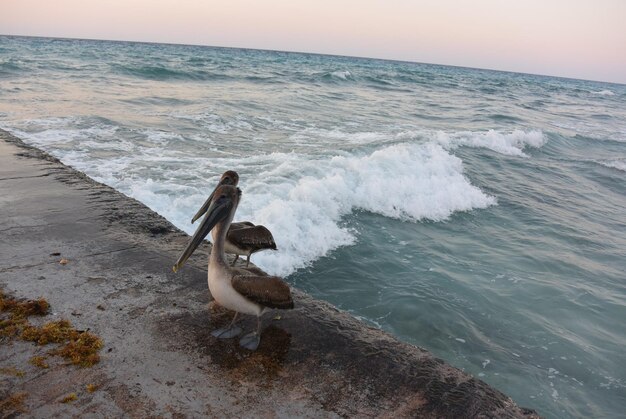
(344, 75)
(301, 198)
(213, 122)
(54, 131)
(366, 137)
(605, 92)
(601, 131)
(511, 144)
(619, 164)
(508, 143)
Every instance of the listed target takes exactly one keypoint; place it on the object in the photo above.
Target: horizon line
(315, 53)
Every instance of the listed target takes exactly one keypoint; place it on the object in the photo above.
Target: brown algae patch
(39, 361)
(79, 347)
(22, 309)
(51, 332)
(12, 371)
(12, 405)
(82, 348)
(91, 388)
(69, 398)
(18, 312)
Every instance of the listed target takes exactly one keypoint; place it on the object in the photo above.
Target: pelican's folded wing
(257, 236)
(240, 224)
(268, 291)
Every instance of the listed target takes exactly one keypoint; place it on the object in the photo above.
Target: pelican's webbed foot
(226, 332)
(229, 331)
(250, 341)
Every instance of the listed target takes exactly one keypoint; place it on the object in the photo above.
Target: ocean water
(478, 214)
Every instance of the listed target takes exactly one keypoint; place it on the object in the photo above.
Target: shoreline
(159, 357)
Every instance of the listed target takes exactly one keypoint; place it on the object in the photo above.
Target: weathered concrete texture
(159, 358)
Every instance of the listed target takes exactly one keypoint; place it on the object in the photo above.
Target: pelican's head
(222, 206)
(230, 177)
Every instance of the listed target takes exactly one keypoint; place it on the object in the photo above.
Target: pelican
(247, 291)
(243, 238)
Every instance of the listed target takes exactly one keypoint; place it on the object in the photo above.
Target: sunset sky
(571, 38)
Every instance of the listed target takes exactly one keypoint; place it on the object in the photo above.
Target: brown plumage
(268, 291)
(247, 239)
(243, 238)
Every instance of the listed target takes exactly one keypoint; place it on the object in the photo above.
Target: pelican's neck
(218, 255)
(219, 238)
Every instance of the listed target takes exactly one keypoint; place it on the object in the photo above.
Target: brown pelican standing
(243, 238)
(242, 290)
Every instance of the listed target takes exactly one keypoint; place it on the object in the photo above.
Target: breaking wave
(406, 181)
(302, 198)
(511, 144)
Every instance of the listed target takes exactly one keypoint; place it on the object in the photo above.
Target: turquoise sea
(478, 214)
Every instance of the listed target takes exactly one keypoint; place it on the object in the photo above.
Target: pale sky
(571, 38)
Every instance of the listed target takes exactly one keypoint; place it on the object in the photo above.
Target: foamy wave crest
(511, 144)
(404, 181)
(508, 143)
(619, 164)
(604, 93)
(344, 75)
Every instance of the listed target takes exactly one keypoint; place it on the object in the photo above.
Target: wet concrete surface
(159, 358)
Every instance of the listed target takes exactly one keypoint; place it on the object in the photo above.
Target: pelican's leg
(252, 339)
(248, 260)
(235, 261)
(228, 332)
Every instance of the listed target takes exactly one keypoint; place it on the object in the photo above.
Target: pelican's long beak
(216, 212)
(204, 206)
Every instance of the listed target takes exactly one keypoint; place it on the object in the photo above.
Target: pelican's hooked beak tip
(175, 268)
